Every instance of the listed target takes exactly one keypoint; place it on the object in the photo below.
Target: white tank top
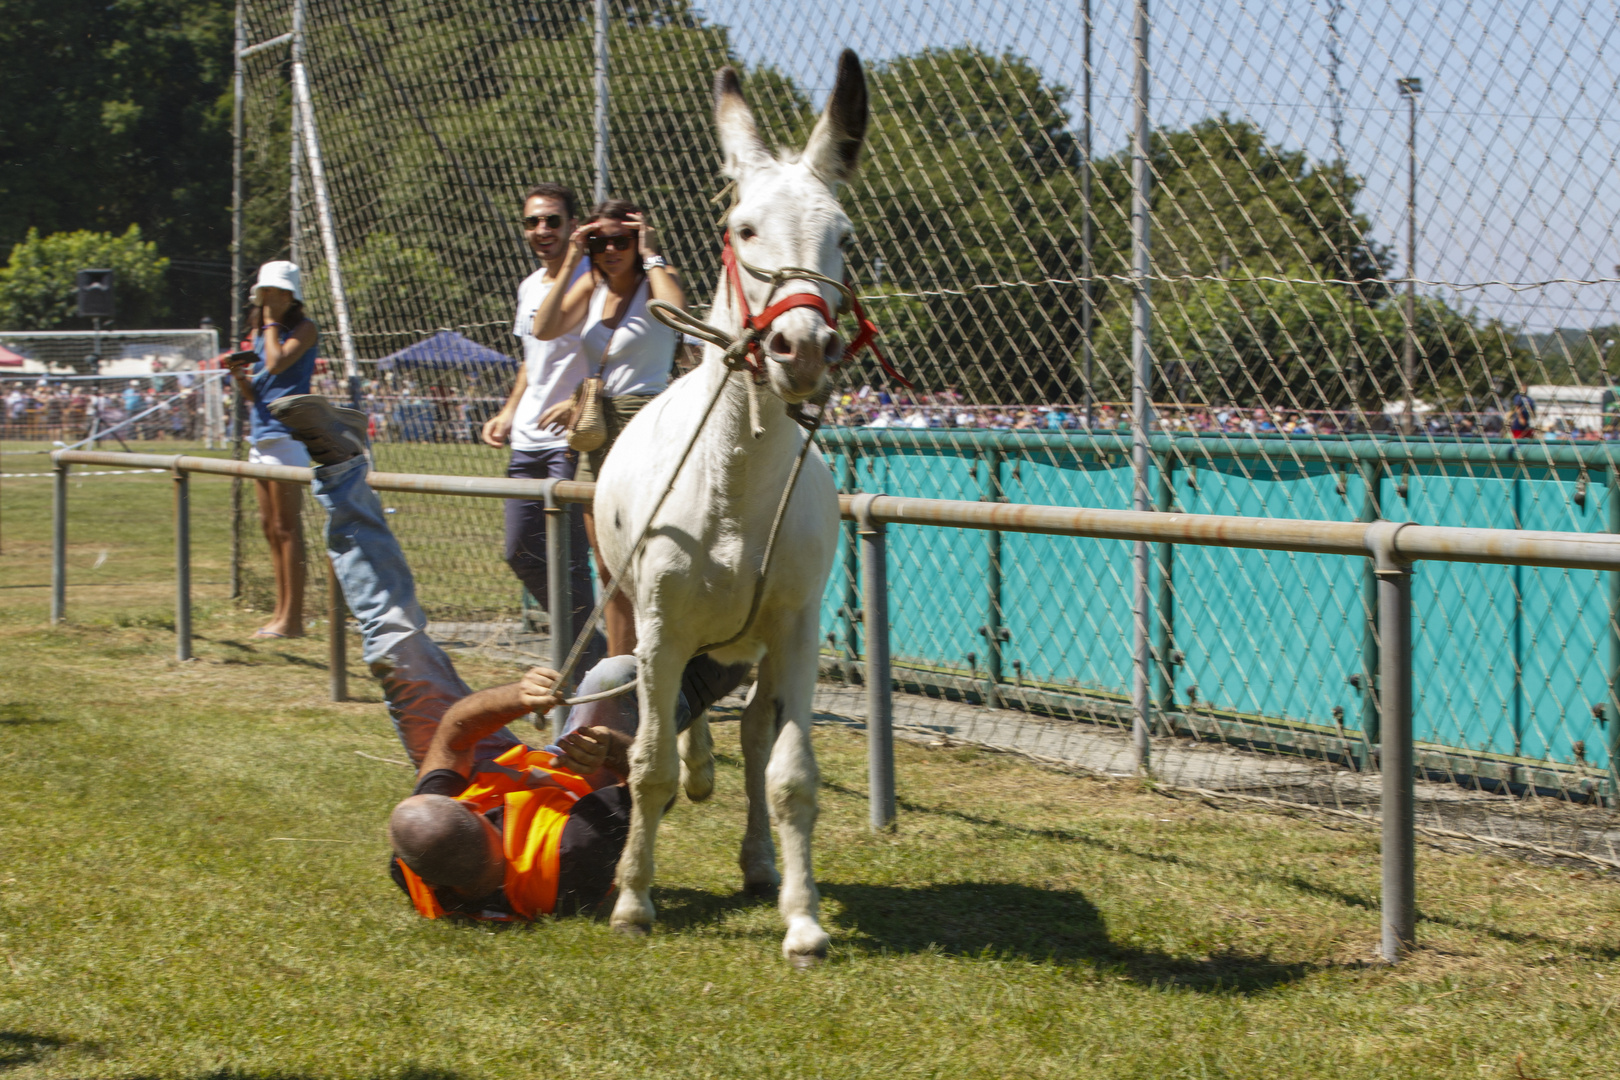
(638, 352)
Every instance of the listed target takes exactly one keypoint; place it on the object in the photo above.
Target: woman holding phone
(282, 362)
(621, 341)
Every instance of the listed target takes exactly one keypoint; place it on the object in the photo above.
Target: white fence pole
(600, 158)
(304, 108)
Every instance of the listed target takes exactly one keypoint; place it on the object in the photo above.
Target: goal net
(73, 387)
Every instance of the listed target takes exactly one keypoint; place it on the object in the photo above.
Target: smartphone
(241, 356)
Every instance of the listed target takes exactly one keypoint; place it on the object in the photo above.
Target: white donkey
(693, 583)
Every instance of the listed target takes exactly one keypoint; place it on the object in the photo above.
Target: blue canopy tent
(447, 351)
(454, 367)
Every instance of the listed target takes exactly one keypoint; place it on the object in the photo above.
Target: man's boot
(332, 434)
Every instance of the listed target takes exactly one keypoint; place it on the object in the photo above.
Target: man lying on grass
(494, 829)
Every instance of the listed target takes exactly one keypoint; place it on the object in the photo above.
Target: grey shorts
(616, 411)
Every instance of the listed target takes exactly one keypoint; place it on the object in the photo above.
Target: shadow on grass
(19, 1048)
(1022, 922)
(408, 1072)
(683, 909)
(998, 919)
(17, 713)
(1295, 881)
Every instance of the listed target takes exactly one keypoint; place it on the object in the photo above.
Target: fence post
(879, 679)
(337, 641)
(59, 545)
(559, 589)
(992, 630)
(1141, 387)
(182, 564)
(1612, 706)
(1369, 512)
(1164, 635)
(849, 612)
(1395, 753)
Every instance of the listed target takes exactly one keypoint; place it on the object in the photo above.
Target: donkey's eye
(747, 232)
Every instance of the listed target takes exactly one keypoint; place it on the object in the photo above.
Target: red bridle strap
(755, 326)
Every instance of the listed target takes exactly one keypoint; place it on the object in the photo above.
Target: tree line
(969, 209)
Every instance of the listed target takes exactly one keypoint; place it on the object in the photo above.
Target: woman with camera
(281, 363)
(624, 346)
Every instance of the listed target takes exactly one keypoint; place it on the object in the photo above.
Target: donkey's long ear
(834, 148)
(739, 139)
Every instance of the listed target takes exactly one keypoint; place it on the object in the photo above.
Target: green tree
(38, 287)
(968, 183)
(118, 113)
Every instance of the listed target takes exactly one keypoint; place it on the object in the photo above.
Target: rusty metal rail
(1410, 542)
(1392, 546)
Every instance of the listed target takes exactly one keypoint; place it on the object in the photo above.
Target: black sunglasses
(550, 221)
(596, 243)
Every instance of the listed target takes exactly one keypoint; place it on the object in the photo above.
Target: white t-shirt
(553, 368)
(639, 352)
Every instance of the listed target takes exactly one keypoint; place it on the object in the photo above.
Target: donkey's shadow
(1007, 921)
(1011, 921)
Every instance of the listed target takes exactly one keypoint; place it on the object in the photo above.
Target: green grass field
(192, 885)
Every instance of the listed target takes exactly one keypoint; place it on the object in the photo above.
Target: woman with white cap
(285, 343)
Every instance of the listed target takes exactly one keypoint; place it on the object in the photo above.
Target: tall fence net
(1378, 286)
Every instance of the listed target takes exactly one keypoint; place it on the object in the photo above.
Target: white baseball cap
(279, 274)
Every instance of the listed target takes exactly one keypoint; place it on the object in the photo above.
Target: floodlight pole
(599, 159)
(1410, 89)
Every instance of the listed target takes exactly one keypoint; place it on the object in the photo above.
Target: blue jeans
(526, 540)
(622, 713)
(418, 679)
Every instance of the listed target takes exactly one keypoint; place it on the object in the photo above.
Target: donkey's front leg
(788, 680)
(654, 774)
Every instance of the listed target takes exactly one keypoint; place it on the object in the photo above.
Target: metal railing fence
(1391, 548)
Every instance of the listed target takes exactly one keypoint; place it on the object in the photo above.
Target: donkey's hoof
(806, 961)
(806, 942)
(698, 782)
(761, 890)
(630, 929)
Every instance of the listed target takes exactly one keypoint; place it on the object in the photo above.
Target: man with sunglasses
(550, 373)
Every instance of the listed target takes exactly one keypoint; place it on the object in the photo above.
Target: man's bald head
(446, 842)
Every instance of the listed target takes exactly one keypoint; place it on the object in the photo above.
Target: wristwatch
(654, 260)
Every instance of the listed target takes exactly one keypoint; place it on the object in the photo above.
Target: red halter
(754, 327)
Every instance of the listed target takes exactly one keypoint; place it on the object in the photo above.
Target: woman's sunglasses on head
(596, 243)
(550, 221)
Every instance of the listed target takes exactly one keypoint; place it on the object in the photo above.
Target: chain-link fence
(1374, 279)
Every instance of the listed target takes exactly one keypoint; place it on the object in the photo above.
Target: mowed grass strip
(193, 885)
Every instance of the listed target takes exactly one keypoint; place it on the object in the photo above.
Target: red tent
(10, 359)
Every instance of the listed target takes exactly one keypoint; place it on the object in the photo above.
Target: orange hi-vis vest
(538, 799)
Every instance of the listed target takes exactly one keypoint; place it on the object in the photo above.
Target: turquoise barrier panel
(1273, 633)
(1066, 601)
(936, 576)
(845, 571)
(1507, 660)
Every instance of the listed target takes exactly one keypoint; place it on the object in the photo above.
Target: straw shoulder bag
(587, 430)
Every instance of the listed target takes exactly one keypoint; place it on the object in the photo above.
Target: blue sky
(1518, 131)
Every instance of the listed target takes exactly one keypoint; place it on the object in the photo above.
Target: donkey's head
(786, 214)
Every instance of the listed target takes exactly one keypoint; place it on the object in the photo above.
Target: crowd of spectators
(67, 411)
